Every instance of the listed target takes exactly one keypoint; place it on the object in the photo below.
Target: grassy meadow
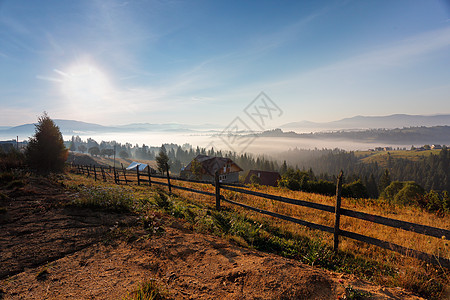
(381, 157)
(314, 247)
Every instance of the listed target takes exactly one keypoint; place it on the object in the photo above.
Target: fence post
(95, 174)
(137, 173)
(149, 177)
(217, 185)
(116, 180)
(337, 211)
(88, 171)
(168, 178)
(103, 173)
(124, 174)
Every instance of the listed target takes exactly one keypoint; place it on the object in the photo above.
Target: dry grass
(435, 246)
(410, 273)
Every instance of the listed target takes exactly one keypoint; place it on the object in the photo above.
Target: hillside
(85, 253)
(371, 122)
(411, 135)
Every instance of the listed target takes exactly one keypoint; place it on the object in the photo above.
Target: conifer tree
(162, 160)
(46, 151)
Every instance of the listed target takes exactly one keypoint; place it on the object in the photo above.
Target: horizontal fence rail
(404, 225)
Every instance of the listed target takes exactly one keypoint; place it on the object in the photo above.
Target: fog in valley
(253, 144)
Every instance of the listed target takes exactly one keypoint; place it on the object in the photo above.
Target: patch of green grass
(149, 290)
(353, 294)
(108, 198)
(162, 200)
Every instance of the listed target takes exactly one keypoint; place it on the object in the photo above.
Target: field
(381, 157)
(188, 249)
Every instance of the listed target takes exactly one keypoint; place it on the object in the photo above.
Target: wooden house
(227, 169)
(263, 177)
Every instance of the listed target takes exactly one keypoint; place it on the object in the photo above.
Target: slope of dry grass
(399, 270)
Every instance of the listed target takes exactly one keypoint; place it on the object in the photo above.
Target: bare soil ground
(49, 250)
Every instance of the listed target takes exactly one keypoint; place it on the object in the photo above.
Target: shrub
(321, 187)
(11, 159)
(391, 190)
(255, 180)
(411, 193)
(110, 198)
(149, 290)
(435, 202)
(355, 189)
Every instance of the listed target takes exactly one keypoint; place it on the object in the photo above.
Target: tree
(46, 151)
(255, 180)
(385, 181)
(124, 154)
(107, 152)
(196, 169)
(82, 148)
(94, 151)
(283, 168)
(162, 160)
(72, 146)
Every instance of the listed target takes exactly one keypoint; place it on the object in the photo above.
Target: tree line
(178, 155)
(425, 181)
(315, 170)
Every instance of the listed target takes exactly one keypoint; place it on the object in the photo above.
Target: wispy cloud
(405, 52)
(46, 78)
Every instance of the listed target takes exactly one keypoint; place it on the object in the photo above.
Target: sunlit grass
(265, 233)
(148, 290)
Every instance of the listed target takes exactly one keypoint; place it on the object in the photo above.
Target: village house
(227, 169)
(263, 177)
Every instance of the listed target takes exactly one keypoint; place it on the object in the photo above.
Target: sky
(207, 62)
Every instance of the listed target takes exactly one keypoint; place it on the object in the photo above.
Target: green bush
(436, 202)
(321, 187)
(411, 193)
(391, 190)
(355, 189)
(11, 159)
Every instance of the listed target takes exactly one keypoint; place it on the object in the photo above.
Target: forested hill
(431, 171)
(410, 135)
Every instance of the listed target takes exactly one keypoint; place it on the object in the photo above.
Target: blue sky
(119, 62)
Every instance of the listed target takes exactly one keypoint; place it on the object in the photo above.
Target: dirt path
(84, 265)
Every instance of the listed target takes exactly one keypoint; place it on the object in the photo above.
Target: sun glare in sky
(85, 87)
(118, 62)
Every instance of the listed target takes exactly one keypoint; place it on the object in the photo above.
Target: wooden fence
(139, 178)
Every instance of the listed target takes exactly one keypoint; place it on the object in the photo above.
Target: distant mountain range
(357, 123)
(72, 127)
(368, 122)
(411, 135)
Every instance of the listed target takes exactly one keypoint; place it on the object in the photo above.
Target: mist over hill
(371, 122)
(408, 130)
(411, 135)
